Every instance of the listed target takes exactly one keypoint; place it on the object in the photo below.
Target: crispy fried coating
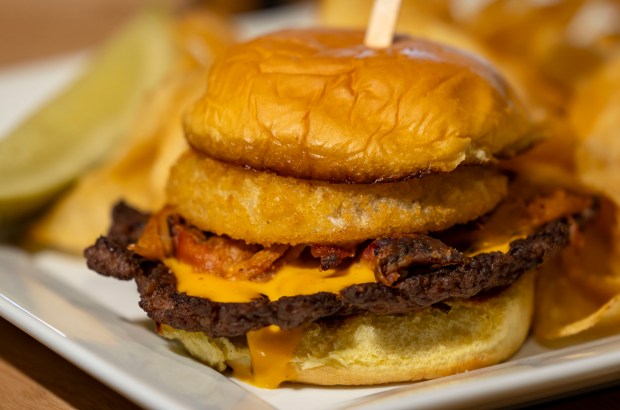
(264, 208)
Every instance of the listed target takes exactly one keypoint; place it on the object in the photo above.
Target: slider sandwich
(341, 218)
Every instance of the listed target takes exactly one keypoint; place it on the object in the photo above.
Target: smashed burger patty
(428, 272)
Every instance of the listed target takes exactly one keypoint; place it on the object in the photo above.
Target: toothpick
(380, 30)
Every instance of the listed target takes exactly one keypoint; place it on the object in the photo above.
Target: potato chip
(579, 296)
(581, 288)
(579, 292)
(137, 173)
(134, 176)
(563, 39)
(565, 308)
(595, 115)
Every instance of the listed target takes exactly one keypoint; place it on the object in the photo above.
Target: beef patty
(412, 286)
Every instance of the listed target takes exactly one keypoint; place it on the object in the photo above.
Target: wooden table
(31, 375)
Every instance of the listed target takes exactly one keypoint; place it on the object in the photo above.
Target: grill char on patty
(417, 286)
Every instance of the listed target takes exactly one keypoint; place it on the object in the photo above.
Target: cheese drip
(289, 280)
(493, 246)
(271, 350)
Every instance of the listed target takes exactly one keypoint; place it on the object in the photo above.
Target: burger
(342, 217)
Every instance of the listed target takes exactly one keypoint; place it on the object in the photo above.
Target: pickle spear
(82, 125)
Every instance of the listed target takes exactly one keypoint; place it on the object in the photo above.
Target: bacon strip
(260, 265)
(167, 235)
(155, 243)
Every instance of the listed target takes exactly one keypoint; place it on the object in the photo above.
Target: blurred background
(550, 45)
(31, 29)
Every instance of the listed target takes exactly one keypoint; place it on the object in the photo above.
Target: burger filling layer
(195, 281)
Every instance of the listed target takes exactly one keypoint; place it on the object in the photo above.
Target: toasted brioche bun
(318, 104)
(264, 208)
(372, 349)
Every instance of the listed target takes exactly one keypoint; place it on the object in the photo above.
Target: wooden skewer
(382, 23)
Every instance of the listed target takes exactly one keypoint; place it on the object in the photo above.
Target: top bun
(319, 104)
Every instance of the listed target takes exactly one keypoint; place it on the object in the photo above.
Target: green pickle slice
(81, 125)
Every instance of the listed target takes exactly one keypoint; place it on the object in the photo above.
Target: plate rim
(583, 365)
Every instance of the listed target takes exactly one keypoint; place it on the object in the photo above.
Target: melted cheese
(290, 280)
(271, 350)
(486, 247)
(495, 245)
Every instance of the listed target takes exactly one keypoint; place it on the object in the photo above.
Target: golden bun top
(319, 104)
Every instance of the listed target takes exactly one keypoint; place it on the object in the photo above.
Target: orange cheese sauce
(486, 247)
(271, 350)
(288, 281)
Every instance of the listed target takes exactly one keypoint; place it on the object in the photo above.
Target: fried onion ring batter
(264, 208)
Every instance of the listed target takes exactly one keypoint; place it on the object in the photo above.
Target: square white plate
(96, 323)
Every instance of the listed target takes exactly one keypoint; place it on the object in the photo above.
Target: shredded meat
(215, 254)
(167, 235)
(331, 256)
(392, 256)
(259, 266)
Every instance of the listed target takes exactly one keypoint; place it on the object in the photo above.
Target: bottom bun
(449, 338)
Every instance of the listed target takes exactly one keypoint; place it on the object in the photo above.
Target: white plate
(95, 322)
